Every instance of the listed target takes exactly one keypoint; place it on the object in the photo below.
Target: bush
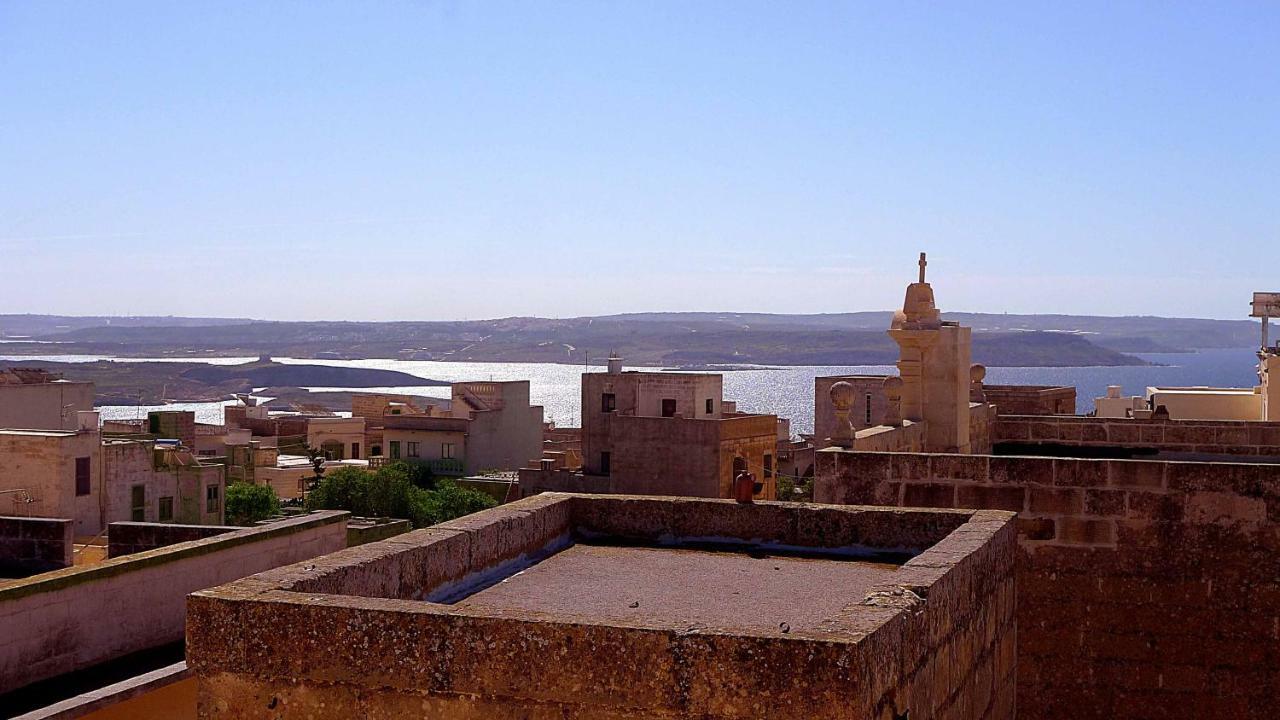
(391, 492)
(448, 501)
(247, 503)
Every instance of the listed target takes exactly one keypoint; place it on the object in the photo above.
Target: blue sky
(467, 160)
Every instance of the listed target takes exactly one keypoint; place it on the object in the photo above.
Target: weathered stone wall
(44, 405)
(1207, 437)
(1146, 589)
(35, 545)
(43, 465)
(982, 421)
(367, 530)
(74, 618)
(126, 538)
(1031, 399)
(343, 636)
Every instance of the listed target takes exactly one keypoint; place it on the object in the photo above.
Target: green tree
(390, 492)
(449, 501)
(247, 503)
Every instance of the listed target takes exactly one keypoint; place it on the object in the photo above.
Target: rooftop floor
(725, 589)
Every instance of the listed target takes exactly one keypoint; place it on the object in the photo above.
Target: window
(395, 411)
(604, 463)
(82, 476)
(395, 449)
(355, 451)
(447, 451)
(711, 406)
(212, 500)
(668, 407)
(165, 509)
(411, 449)
(868, 420)
(608, 402)
(768, 466)
(375, 450)
(138, 503)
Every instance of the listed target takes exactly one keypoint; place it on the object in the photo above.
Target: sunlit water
(787, 391)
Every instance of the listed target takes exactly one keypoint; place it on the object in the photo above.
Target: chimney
(615, 363)
(1113, 391)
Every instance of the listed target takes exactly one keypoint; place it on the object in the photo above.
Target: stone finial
(919, 312)
(977, 373)
(893, 396)
(842, 397)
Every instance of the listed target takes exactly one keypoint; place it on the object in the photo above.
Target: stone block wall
(78, 617)
(367, 530)
(1206, 437)
(34, 545)
(1146, 589)
(125, 538)
(1031, 399)
(353, 635)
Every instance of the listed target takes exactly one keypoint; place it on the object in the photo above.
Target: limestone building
(660, 433)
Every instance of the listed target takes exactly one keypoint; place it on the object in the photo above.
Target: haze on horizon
(421, 161)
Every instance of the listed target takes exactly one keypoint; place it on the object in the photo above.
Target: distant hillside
(36, 325)
(123, 382)
(1124, 333)
(679, 339)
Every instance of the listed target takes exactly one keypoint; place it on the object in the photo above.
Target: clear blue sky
(455, 160)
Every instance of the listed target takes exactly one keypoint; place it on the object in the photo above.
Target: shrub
(247, 503)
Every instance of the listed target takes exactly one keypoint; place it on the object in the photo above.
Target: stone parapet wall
(1208, 437)
(35, 545)
(126, 538)
(1147, 589)
(78, 617)
(1031, 399)
(351, 635)
(367, 530)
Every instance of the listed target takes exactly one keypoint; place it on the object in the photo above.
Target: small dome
(842, 395)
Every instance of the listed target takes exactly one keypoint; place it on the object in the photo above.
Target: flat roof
(1202, 390)
(39, 433)
(610, 604)
(727, 589)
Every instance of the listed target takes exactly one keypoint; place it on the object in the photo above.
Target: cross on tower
(923, 263)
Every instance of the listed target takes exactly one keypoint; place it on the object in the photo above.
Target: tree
(247, 503)
(448, 501)
(391, 492)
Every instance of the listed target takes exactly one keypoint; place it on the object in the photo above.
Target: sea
(785, 391)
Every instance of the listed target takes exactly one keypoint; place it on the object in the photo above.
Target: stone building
(150, 482)
(504, 431)
(32, 399)
(659, 433)
(54, 474)
(337, 438)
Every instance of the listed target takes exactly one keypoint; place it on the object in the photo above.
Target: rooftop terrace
(588, 606)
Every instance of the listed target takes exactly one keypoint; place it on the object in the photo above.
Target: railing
(443, 466)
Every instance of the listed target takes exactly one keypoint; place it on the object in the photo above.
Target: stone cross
(923, 263)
